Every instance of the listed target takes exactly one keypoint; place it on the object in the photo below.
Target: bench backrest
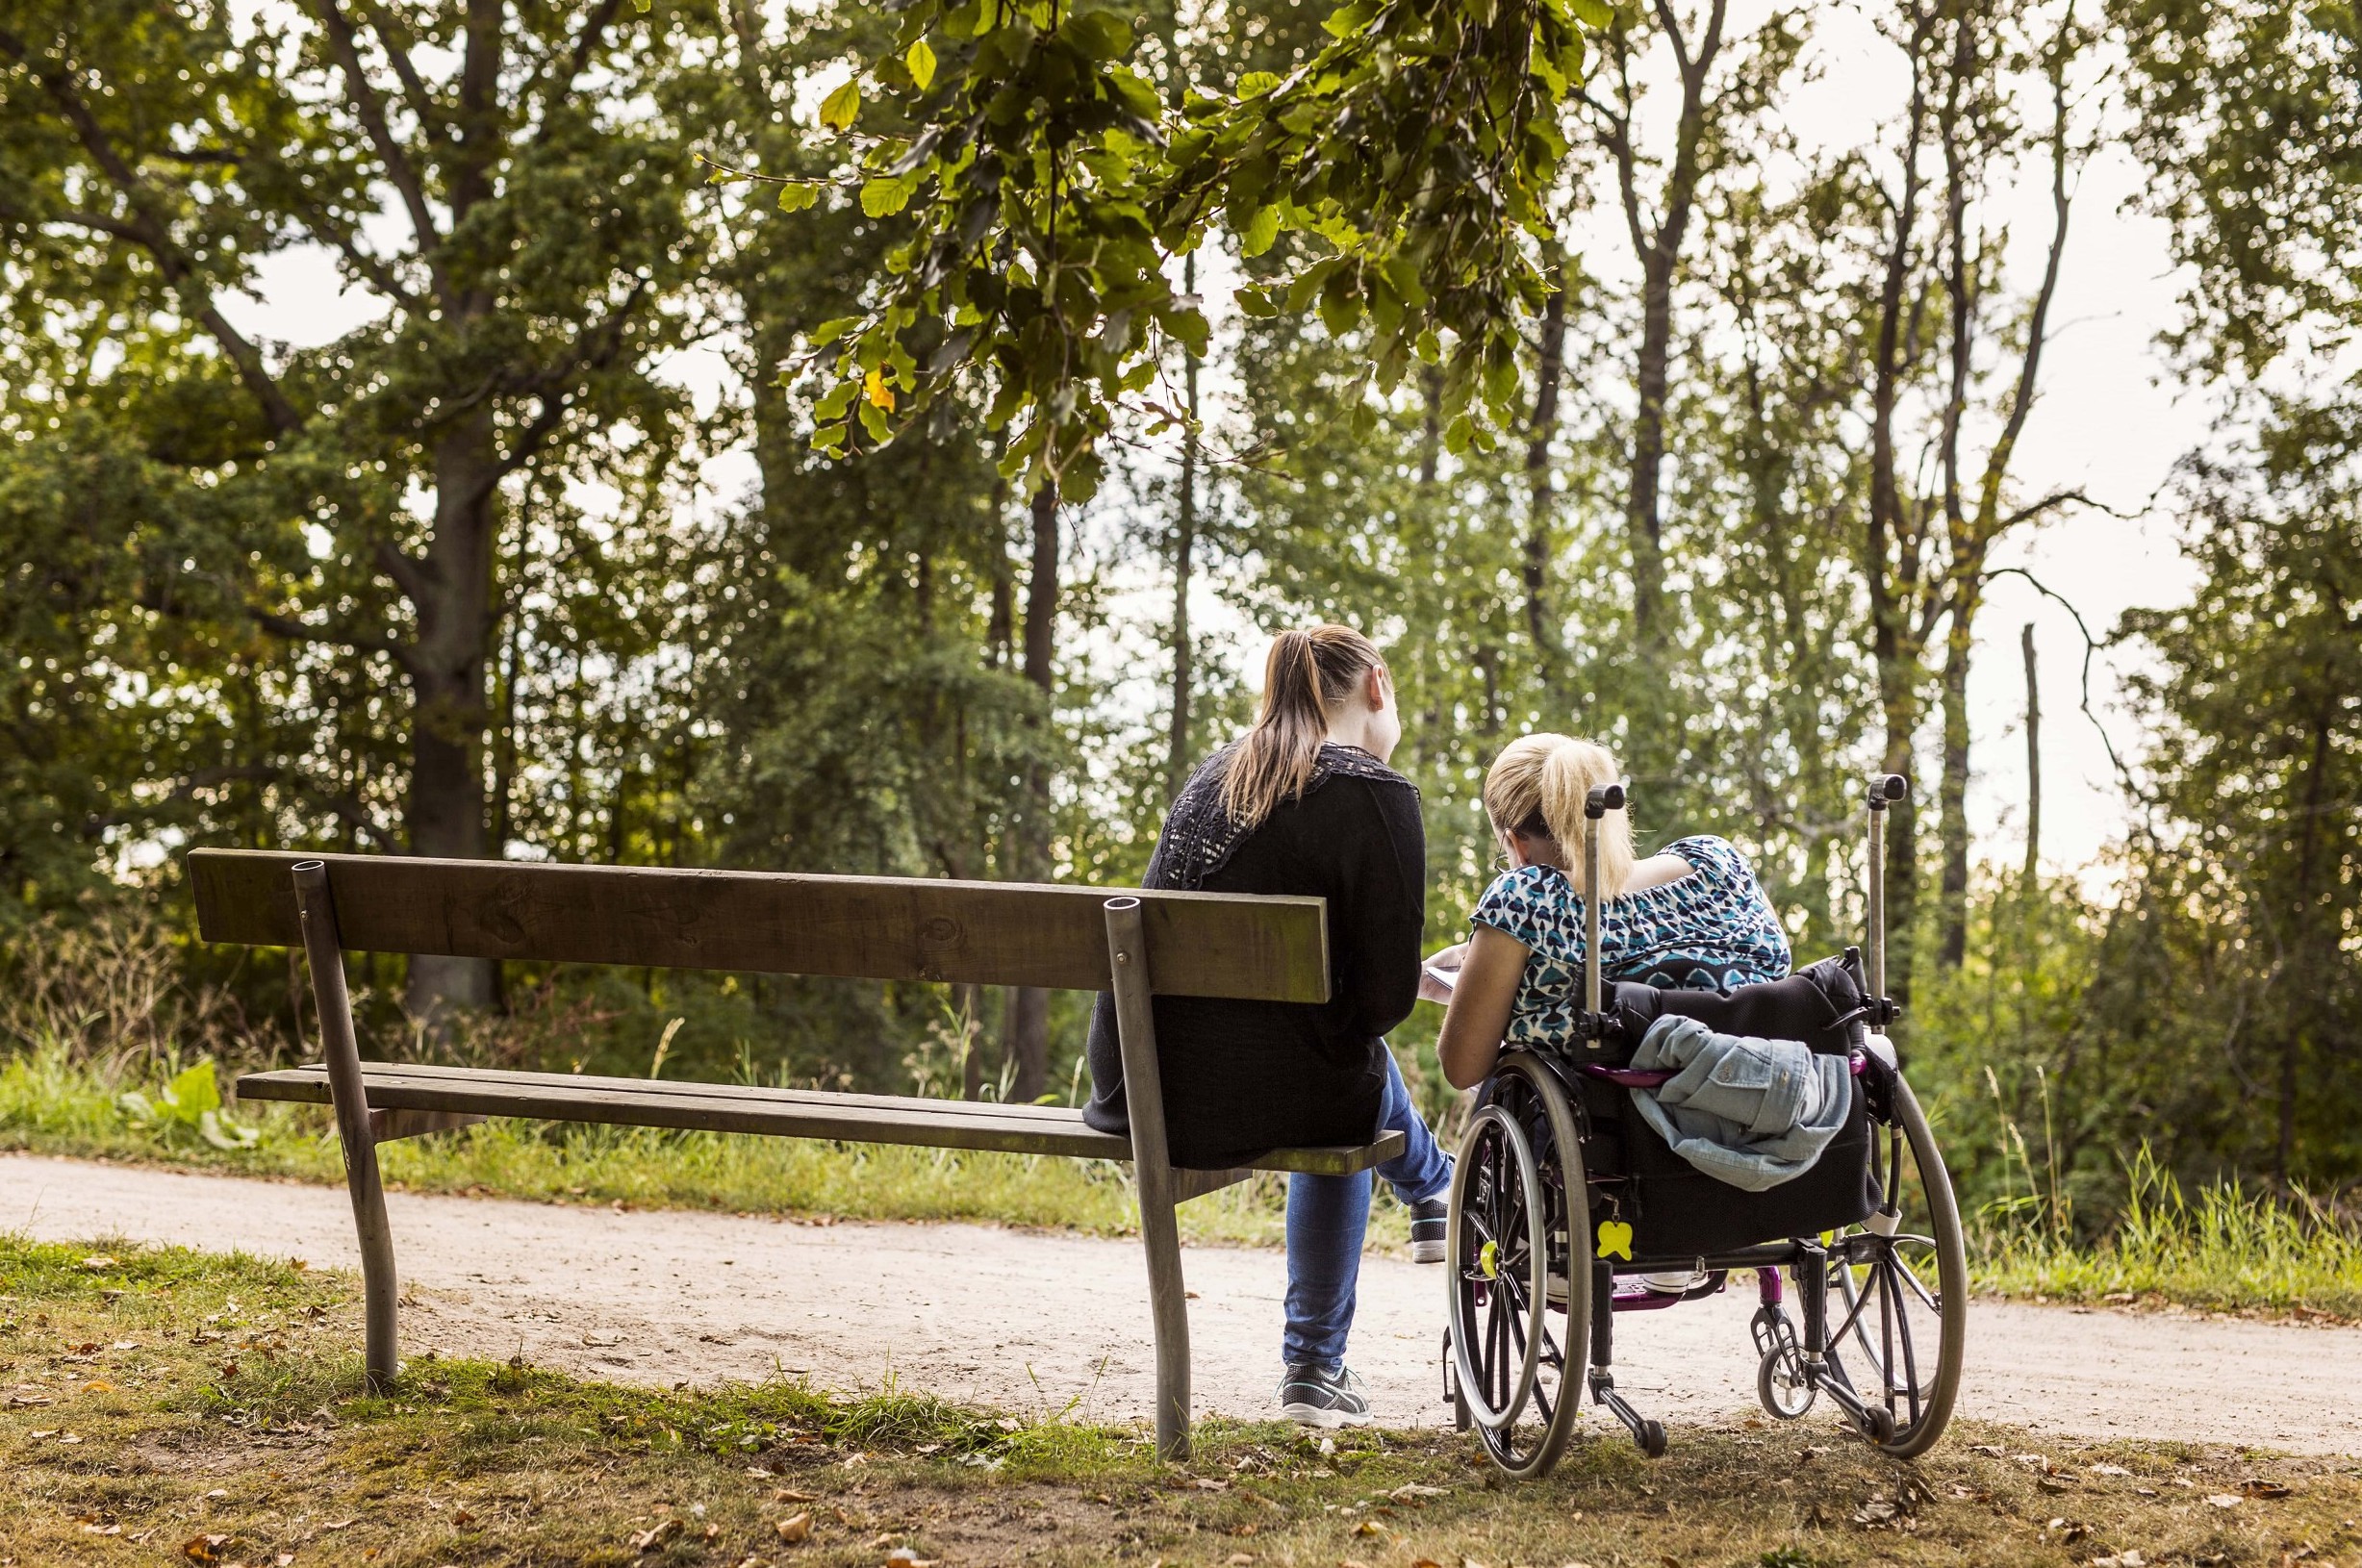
(865, 927)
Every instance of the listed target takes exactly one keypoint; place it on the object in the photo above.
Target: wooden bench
(1134, 945)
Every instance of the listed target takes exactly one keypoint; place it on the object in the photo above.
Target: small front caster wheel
(1652, 1439)
(1781, 1384)
(1879, 1425)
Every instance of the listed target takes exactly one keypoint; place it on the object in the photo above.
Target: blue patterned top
(1707, 931)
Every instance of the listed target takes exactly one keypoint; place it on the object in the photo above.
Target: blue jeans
(1326, 1217)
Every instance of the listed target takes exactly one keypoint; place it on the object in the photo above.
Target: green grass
(216, 1415)
(2227, 1250)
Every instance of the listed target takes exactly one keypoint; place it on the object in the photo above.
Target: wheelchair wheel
(1902, 1285)
(1519, 1374)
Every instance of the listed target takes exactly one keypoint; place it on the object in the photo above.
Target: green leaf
(829, 332)
(888, 194)
(838, 110)
(1102, 35)
(217, 1129)
(1262, 231)
(1189, 326)
(1255, 84)
(795, 195)
(921, 62)
(1592, 13)
(194, 1091)
(838, 399)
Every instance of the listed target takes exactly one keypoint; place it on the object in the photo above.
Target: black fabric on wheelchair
(1677, 1212)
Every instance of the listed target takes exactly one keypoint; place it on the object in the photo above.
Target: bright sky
(2112, 420)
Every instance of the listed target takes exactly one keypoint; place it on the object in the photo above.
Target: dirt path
(1038, 1323)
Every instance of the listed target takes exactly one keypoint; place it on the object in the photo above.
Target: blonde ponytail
(1307, 678)
(1537, 789)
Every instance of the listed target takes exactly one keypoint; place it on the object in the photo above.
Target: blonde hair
(1537, 789)
(1307, 675)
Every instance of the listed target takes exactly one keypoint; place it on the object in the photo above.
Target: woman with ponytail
(1304, 803)
(1691, 918)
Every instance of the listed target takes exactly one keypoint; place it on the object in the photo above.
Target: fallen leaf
(98, 1385)
(1411, 1489)
(2262, 1488)
(713, 1534)
(204, 1548)
(102, 1530)
(1238, 1559)
(1369, 1526)
(655, 1535)
(788, 1494)
(341, 1524)
(69, 1437)
(1207, 1484)
(98, 1264)
(794, 1528)
(2223, 1500)
(2110, 1469)
(463, 1518)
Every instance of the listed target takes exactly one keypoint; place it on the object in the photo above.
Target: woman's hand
(1439, 970)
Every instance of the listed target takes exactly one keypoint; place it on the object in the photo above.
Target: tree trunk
(2300, 983)
(452, 596)
(1952, 791)
(1891, 546)
(2034, 763)
(1029, 1012)
(1185, 554)
(1548, 371)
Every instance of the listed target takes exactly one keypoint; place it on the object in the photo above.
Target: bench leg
(1153, 1174)
(324, 951)
(1169, 1306)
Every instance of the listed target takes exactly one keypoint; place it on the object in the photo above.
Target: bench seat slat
(795, 1113)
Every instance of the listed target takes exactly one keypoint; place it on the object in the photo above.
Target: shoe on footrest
(1430, 1223)
(1311, 1395)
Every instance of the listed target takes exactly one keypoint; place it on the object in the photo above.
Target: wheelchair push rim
(1898, 1320)
(1519, 1375)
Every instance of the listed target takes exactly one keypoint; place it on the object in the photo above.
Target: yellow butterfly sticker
(1615, 1239)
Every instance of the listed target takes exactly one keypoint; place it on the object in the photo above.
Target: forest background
(536, 557)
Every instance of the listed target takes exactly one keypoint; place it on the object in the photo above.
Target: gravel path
(1040, 1323)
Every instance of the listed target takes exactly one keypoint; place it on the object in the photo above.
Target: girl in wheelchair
(1691, 919)
(1580, 956)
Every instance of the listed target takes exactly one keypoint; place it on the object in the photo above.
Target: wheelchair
(1564, 1198)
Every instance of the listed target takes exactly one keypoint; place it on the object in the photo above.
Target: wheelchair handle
(1883, 788)
(1602, 799)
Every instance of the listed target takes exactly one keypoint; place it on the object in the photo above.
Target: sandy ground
(1043, 1323)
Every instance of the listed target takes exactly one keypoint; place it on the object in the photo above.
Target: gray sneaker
(1313, 1396)
(1429, 1225)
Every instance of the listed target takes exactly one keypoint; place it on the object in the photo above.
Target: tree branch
(297, 631)
(149, 229)
(370, 108)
